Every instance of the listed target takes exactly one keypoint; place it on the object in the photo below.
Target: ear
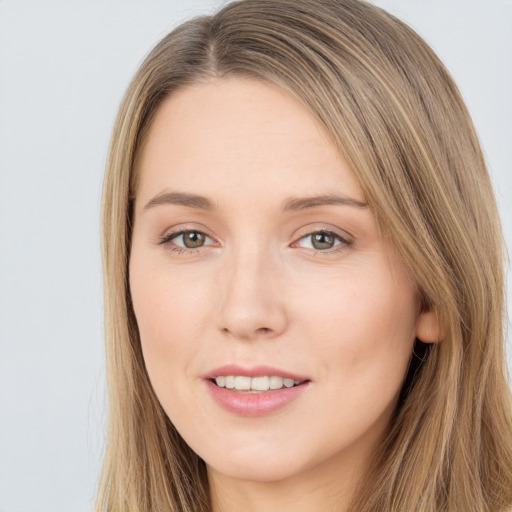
(429, 328)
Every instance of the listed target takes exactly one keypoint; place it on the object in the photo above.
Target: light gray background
(63, 68)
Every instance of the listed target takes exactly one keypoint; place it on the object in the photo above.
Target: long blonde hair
(398, 119)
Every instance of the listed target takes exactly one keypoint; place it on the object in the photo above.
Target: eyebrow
(293, 204)
(302, 203)
(180, 198)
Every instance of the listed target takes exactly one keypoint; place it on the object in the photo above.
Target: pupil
(323, 241)
(193, 240)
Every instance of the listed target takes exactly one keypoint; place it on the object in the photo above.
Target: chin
(257, 471)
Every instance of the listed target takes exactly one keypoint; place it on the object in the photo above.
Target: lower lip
(254, 404)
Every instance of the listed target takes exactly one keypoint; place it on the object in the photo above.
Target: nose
(252, 304)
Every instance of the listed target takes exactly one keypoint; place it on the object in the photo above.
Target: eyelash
(343, 242)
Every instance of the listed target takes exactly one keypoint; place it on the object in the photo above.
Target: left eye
(189, 239)
(320, 240)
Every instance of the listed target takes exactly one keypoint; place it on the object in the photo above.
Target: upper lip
(254, 371)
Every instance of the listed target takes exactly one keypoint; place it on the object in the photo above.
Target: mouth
(254, 392)
(259, 384)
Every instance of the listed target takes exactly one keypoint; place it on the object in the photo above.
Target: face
(255, 263)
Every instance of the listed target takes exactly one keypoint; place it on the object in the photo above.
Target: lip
(254, 404)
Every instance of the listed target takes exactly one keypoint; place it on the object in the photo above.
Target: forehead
(230, 134)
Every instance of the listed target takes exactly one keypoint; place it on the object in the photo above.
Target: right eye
(184, 240)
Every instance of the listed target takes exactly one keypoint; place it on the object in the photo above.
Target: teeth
(276, 382)
(288, 383)
(243, 383)
(260, 383)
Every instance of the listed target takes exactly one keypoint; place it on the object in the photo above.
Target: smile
(242, 383)
(254, 392)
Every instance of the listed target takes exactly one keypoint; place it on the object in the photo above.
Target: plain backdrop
(63, 68)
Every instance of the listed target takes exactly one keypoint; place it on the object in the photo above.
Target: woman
(303, 274)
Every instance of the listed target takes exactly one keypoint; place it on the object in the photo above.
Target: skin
(257, 292)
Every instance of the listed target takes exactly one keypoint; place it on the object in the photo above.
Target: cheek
(370, 299)
(364, 323)
(168, 326)
(170, 313)
(360, 332)
(165, 299)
